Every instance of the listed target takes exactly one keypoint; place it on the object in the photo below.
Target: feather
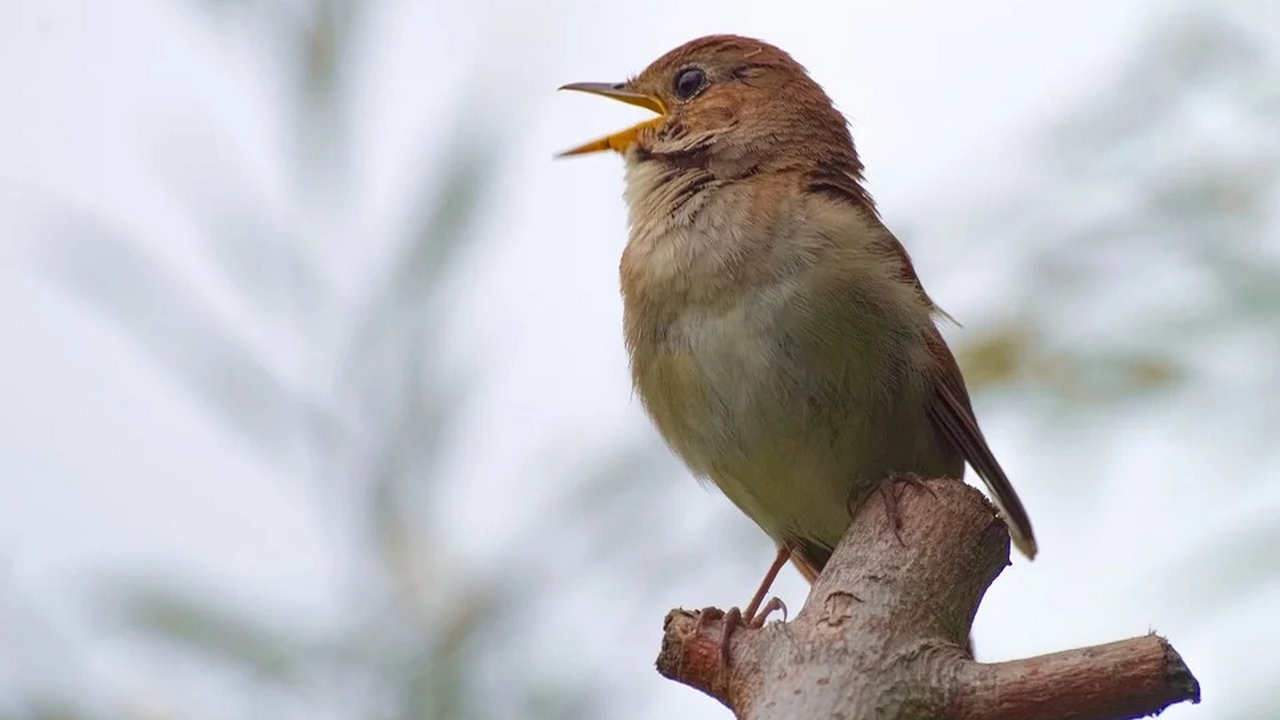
(952, 415)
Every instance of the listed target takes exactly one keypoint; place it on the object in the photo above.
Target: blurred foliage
(1160, 201)
(371, 433)
(1015, 354)
(216, 631)
(427, 641)
(1175, 162)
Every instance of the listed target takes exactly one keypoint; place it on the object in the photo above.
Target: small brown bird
(778, 334)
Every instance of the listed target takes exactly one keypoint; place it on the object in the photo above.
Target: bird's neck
(697, 238)
(662, 197)
(705, 243)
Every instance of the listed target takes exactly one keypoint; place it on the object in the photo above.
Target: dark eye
(689, 82)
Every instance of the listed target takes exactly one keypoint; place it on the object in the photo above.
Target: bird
(778, 334)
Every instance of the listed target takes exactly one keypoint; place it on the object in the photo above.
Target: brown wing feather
(808, 558)
(950, 412)
(952, 415)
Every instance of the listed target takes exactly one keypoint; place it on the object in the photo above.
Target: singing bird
(778, 334)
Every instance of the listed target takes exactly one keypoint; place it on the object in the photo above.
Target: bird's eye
(689, 82)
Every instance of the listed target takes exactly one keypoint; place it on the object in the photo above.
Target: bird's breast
(722, 382)
(785, 383)
(743, 399)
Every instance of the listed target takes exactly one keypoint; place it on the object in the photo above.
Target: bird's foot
(891, 491)
(757, 612)
(734, 619)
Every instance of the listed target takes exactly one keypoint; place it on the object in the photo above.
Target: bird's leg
(755, 614)
(889, 490)
(749, 616)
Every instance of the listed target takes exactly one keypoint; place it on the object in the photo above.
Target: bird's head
(732, 106)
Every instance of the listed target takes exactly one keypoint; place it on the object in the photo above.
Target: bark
(885, 629)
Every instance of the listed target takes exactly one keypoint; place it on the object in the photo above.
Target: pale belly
(795, 431)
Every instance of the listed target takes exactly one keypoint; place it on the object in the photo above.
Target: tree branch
(884, 633)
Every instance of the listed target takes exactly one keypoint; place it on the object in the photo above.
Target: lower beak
(619, 141)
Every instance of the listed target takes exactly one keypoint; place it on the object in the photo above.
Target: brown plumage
(779, 336)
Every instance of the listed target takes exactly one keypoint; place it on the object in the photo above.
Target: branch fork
(884, 634)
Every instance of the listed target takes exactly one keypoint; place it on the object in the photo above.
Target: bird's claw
(733, 619)
(890, 491)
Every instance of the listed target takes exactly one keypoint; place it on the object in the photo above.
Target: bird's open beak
(621, 140)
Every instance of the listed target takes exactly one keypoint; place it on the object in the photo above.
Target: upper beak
(621, 140)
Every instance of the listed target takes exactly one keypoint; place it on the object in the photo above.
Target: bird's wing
(949, 410)
(952, 416)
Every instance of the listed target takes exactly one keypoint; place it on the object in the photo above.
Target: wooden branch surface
(884, 634)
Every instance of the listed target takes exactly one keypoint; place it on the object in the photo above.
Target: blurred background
(315, 403)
